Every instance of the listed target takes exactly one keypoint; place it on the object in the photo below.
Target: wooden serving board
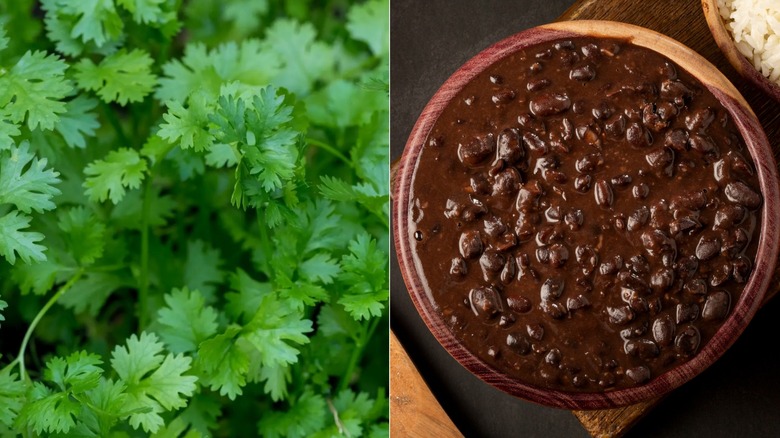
(684, 21)
(414, 410)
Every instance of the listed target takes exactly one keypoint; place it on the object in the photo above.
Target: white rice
(755, 27)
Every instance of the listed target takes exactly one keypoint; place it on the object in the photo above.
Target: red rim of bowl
(769, 239)
(728, 46)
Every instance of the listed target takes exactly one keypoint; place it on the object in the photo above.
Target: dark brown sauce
(585, 215)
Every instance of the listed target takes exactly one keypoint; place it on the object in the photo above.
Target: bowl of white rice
(748, 33)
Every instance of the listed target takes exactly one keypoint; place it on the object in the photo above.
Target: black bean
(536, 67)
(740, 193)
(637, 136)
(538, 84)
(503, 97)
(528, 121)
(687, 342)
(687, 267)
(603, 193)
(506, 321)
(602, 111)
(477, 150)
(662, 279)
(696, 286)
(686, 312)
(640, 374)
(611, 266)
(583, 74)
(720, 273)
(535, 331)
(640, 191)
(574, 219)
(479, 184)
(559, 254)
(555, 310)
(548, 104)
(740, 269)
(492, 351)
(496, 79)
(534, 143)
(494, 227)
(638, 265)
(662, 160)
(716, 306)
(642, 348)
(656, 242)
(677, 139)
(729, 216)
(616, 125)
(676, 91)
(589, 162)
(621, 180)
(506, 242)
(699, 120)
(606, 380)
(590, 50)
(587, 258)
(519, 304)
(582, 183)
(553, 214)
(663, 330)
(578, 302)
(518, 344)
(685, 224)
(506, 182)
(552, 288)
(620, 315)
(470, 244)
(458, 267)
(508, 273)
(708, 247)
(589, 134)
(652, 120)
(666, 111)
(701, 144)
(528, 196)
(485, 302)
(638, 218)
(491, 261)
(510, 149)
(634, 332)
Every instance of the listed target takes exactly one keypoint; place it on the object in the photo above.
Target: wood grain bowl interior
(727, 45)
(755, 140)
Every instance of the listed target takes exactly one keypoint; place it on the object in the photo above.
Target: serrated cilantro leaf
(207, 70)
(304, 59)
(121, 77)
(364, 278)
(11, 396)
(8, 130)
(224, 363)
(129, 213)
(108, 178)
(110, 404)
(319, 267)
(186, 320)
(342, 104)
(79, 372)
(14, 240)
(84, 234)
(305, 416)
(78, 122)
(48, 411)
(144, 11)
(369, 22)
(276, 330)
(34, 87)
(95, 20)
(153, 381)
(188, 126)
(25, 182)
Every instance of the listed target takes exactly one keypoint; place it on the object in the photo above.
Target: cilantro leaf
(224, 363)
(121, 77)
(186, 320)
(11, 395)
(144, 11)
(84, 234)
(202, 268)
(364, 278)
(188, 126)
(77, 122)
(79, 372)
(153, 381)
(369, 22)
(306, 415)
(25, 182)
(48, 411)
(13, 240)
(108, 178)
(304, 59)
(34, 87)
(95, 20)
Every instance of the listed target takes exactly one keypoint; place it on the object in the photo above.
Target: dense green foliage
(193, 218)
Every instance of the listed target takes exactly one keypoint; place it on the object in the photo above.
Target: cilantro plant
(193, 218)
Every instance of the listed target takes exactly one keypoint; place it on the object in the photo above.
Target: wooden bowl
(754, 138)
(727, 45)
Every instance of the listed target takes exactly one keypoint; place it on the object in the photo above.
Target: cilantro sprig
(193, 218)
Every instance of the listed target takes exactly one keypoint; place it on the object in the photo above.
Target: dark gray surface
(737, 397)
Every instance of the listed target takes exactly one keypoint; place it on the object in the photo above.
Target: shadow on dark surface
(739, 396)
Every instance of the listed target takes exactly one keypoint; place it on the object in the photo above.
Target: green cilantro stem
(39, 316)
(331, 150)
(360, 345)
(143, 287)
